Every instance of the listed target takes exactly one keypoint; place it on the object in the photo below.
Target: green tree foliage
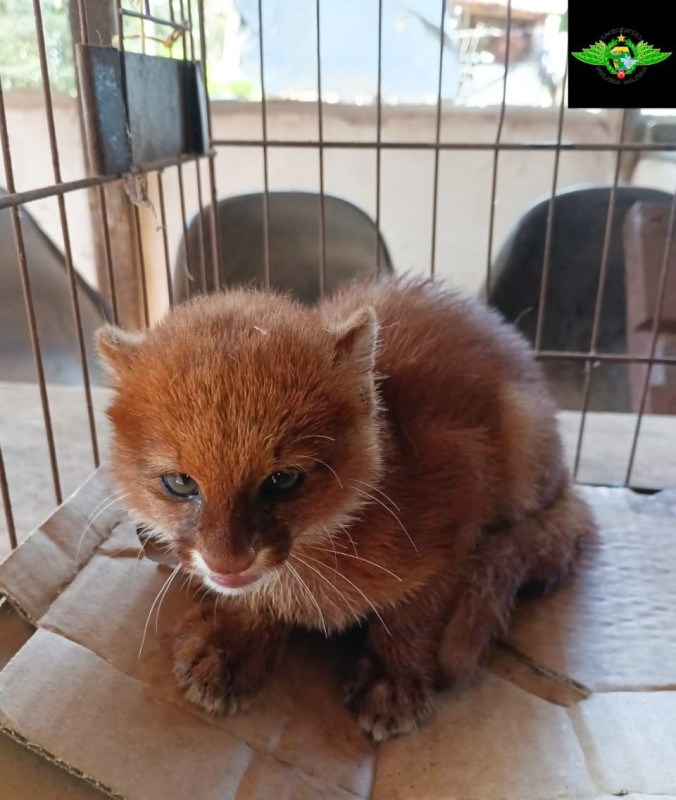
(20, 63)
(19, 59)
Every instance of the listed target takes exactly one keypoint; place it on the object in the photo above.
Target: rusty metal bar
(544, 282)
(437, 140)
(320, 133)
(266, 173)
(200, 202)
(54, 190)
(215, 233)
(191, 35)
(7, 504)
(184, 222)
(601, 358)
(108, 252)
(661, 292)
(202, 235)
(177, 26)
(28, 300)
(82, 14)
(68, 254)
(379, 131)
(142, 264)
(598, 306)
(181, 11)
(165, 239)
(340, 144)
(496, 153)
(123, 65)
(19, 198)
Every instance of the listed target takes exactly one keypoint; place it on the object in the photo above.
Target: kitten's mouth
(233, 580)
(227, 582)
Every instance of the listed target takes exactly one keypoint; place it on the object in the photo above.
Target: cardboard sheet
(579, 703)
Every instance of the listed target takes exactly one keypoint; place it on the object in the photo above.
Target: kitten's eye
(182, 486)
(280, 485)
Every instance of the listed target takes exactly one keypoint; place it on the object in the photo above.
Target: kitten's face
(242, 431)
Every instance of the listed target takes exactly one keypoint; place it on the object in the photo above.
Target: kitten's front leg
(224, 654)
(393, 685)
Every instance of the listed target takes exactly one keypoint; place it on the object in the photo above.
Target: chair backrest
(577, 241)
(351, 244)
(50, 290)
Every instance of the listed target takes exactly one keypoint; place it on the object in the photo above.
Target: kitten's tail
(536, 552)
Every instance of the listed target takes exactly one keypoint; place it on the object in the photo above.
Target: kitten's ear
(117, 347)
(355, 343)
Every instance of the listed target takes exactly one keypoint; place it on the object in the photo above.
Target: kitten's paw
(388, 706)
(215, 672)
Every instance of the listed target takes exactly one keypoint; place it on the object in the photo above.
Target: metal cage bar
(103, 205)
(213, 191)
(63, 218)
(496, 151)
(28, 301)
(661, 293)
(379, 134)
(544, 283)
(346, 144)
(320, 134)
(165, 239)
(437, 139)
(598, 304)
(199, 195)
(7, 504)
(264, 151)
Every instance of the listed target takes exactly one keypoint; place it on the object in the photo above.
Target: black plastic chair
(578, 232)
(50, 290)
(351, 243)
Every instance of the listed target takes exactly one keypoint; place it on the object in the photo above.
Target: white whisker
(359, 558)
(166, 591)
(331, 469)
(116, 493)
(349, 536)
(159, 538)
(333, 548)
(157, 597)
(206, 592)
(389, 511)
(94, 518)
(326, 580)
(354, 585)
(294, 572)
(380, 492)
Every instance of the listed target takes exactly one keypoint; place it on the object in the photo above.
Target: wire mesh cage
(564, 220)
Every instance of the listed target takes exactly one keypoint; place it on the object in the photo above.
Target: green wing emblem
(647, 54)
(596, 54)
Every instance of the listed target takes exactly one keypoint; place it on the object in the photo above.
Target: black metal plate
(162, 116)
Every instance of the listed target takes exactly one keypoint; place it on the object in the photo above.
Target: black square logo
(619, 60)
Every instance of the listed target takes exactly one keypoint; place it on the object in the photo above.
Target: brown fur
(434, 489)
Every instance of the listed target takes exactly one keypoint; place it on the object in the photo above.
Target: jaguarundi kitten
(389, 458)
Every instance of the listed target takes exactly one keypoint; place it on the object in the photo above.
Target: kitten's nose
(229, 563)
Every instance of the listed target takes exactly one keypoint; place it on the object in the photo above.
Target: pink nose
(229, 564)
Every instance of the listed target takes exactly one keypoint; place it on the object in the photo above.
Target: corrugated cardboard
(580, 702)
